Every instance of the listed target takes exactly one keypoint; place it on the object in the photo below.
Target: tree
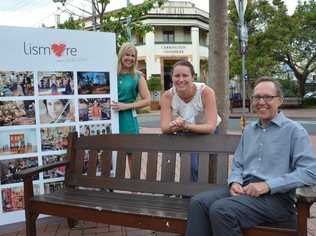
(218, 76)
(300, 50)
(277, 39)
(71, 23)
(116, 21)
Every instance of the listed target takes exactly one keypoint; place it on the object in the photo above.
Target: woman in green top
(131, 83)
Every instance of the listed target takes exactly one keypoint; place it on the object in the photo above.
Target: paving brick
(10, 234)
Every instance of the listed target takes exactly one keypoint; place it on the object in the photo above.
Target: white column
(195, 49)
(150, 53)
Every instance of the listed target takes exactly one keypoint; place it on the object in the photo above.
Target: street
(152, 121)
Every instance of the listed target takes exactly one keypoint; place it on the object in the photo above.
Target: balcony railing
(177, 42)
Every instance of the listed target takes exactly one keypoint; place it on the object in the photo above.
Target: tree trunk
(301, 79)
(218, 77)
(218, 57)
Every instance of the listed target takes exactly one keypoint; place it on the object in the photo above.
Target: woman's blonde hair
(124, 48)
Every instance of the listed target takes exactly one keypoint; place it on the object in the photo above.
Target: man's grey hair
(276, 83)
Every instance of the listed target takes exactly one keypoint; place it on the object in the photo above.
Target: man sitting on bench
(274, 156)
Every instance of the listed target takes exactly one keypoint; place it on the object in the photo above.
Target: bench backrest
(160, 163)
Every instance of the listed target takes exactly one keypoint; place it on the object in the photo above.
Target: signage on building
(176, 49)
(52, 82)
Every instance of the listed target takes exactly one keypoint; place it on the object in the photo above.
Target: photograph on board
(93, 82)
(13, 198)
(92, 109)
(56, 111)
(17, 141)
(53, 186)
(56, 172)
(16, 83)
(54, 139)
(9, 169)
(55, 83)
(96, 129)
(17, 113)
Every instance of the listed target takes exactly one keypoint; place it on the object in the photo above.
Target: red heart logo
(58, 49)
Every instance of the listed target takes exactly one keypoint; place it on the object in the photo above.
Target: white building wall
(195, 49)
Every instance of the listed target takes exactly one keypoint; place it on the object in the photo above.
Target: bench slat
(173, 143)
(92, 163)
(203, 167)
(80, 155)
(151, 170)
(136, 165)
(162, 206)
(144, 186)
(185, 167)
(168, 166)
(106, 163)
(120, 164)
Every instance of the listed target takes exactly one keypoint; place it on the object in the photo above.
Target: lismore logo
(57, 49)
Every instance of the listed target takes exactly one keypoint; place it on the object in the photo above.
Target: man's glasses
(266, 98)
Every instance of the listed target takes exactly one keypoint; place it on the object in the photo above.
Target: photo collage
(38, 109)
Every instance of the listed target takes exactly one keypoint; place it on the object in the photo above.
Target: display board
(52, 82)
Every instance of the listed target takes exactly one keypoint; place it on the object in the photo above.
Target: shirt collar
(277, 120)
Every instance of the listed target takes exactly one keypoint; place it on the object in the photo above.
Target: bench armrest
(306, 194)
(35, 170)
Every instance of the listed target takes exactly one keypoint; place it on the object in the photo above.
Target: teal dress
(127, 93)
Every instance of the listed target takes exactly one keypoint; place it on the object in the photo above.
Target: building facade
(180, 32)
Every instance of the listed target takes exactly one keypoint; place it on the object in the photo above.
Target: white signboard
(52, 82)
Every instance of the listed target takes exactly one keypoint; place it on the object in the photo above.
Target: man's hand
(236, 189)
(256, 189)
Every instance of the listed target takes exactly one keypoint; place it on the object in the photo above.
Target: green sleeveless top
(127, 93)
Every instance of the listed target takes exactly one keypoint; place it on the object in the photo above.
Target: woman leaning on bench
(274, 156)
(188, 107)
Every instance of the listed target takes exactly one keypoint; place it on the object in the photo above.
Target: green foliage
(289, 87)
(72, 24)
(276, 39)
(309, 102)
(154, 83)
(116, 21)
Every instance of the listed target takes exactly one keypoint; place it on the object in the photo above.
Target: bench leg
(31, 224)
(303, 214)
(71, 222)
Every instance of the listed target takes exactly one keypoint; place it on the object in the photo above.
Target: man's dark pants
(216, 213)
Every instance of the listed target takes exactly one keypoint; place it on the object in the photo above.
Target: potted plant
(154, 86)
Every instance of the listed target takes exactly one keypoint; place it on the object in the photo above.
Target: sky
(35, 13)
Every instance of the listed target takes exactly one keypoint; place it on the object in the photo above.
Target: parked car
(310, 95)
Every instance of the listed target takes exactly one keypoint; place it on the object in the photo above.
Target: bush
(307, 102)
(154, 83)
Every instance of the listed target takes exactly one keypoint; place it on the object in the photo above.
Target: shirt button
(264, 130)
(259, 158)
(261, 144)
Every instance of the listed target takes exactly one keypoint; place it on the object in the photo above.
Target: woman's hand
(177, 124)
(119, 106)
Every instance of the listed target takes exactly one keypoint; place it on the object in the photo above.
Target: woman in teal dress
(131, 83)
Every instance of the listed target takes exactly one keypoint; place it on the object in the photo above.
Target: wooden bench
(160, 170)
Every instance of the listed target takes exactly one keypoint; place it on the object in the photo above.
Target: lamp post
(94, 17)
(243, 40)
(129, 33)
